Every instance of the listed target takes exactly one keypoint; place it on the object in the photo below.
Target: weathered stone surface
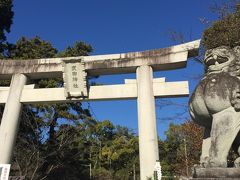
(221, 173)
(148, 141)
(96, 93)
(75, 79)
(10, 121)
(159, 59)
(215, 104)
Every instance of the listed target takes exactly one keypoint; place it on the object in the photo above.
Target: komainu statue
(215, 105)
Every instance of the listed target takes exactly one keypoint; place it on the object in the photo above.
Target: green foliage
(87, 145)
(32, 49)
(181, 149)
(224, 32)
(6, 16)
(102, 173)
(78, 49)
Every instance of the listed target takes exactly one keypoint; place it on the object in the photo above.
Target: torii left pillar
(10, 120)
(148, 141)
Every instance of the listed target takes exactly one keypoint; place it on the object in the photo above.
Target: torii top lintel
(160, 59)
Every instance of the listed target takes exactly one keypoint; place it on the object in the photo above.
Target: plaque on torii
(75, 78)
(75, 70)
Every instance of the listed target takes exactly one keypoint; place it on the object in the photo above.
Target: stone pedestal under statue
(216, 173)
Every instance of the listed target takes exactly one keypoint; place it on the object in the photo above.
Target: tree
(224, 32)
(34, 48)
(78, 49)
(118, 151)
(181, 149)
(6, 16)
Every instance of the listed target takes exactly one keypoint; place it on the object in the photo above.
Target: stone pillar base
(216, 173)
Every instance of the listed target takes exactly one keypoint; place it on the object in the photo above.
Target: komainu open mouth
(214, 59)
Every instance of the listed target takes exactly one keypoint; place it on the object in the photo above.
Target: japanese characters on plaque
(4, 171)
(74, 77)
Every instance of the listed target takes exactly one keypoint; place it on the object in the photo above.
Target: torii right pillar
(148, 140)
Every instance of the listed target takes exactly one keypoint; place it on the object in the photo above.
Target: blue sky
(115, 26)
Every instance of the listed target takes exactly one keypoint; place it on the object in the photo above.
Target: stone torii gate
(144, 89)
